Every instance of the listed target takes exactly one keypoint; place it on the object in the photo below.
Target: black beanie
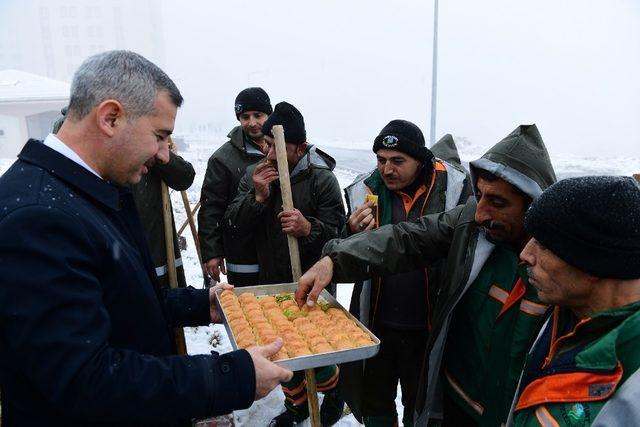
(592, 223)
(291, 120)
(404, 136)
(253, 99)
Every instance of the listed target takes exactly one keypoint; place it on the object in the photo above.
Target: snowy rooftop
(19, 86)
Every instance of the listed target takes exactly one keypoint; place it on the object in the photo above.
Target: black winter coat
(225, 169)
(85, 331)
(316, 194)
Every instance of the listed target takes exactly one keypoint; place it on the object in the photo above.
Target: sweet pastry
(310, 330)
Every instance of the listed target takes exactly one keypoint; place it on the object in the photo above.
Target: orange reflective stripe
(299, 401)
(516, 294)
(329, 386)
(555, 343)
(533, 308)
(458, 389)
(440, 167)
(426, 199)
(570, 387)
(295, 390)
(330, 380)
(498, 293)
(545, 418)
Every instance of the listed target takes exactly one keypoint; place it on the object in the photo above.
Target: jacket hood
(242, 142)
(314, 158)
(445, 149)
(521, 159)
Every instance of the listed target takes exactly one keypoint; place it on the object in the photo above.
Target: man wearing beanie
(316, 218)
(224, 170)
(584, 259)
(485, 314)
(408, 183)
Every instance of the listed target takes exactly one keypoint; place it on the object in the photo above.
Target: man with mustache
(485, 313)
(409, 182)
(225, 168)
(86, 332)
(317, 216)
(584, 259)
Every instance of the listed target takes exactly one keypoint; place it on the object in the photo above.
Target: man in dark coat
(178, 174)
(85, 331)
(316, 218)
(486, 313)
(409, 182)
(218, 241)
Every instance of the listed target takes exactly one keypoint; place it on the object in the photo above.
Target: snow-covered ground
(350, 162)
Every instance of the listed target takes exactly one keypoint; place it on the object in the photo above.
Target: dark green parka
(520, 159)
(226, 166)
(316, 194)
(178, 174)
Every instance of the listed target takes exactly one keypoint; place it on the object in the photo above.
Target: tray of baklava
(322, 335)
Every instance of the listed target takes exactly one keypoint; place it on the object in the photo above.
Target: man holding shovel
(178, 174)
(316, 218)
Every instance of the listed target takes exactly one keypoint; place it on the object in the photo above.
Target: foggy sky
(351, 66)
(571, 67)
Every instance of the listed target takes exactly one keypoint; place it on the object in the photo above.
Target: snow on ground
(350, 163)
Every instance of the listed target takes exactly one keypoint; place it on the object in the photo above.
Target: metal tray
(315, 360)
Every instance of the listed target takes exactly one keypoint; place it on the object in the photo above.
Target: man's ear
(302, 148)
(109, 115)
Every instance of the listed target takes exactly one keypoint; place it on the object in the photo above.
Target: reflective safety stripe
(498, 293)
(162, 270)
(545, 418)
(533, 308)
(526, 306)
(472, 403)
(243, 268)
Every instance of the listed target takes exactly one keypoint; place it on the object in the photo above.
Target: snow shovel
(294, 255)
(171, 257)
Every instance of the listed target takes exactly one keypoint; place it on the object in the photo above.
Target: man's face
(397, 169)
(251, 122)
(555, 281)
(500, 211)
(294, 151)
(142, 142)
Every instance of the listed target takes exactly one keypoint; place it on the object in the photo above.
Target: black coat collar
(74, 175)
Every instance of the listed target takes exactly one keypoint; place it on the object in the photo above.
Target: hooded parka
(520, 159)
(444, 187)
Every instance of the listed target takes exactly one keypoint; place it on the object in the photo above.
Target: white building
(29, 105)
(52, 37)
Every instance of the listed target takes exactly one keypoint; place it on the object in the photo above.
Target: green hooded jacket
(591, 369)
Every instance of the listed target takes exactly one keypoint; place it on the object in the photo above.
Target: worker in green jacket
(485, 314)
(584, 258)
(408, 182)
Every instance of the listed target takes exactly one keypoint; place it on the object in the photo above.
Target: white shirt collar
(53, 142)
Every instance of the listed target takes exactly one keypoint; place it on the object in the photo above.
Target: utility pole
(434, 76)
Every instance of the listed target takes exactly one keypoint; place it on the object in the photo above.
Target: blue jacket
(86, 333)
